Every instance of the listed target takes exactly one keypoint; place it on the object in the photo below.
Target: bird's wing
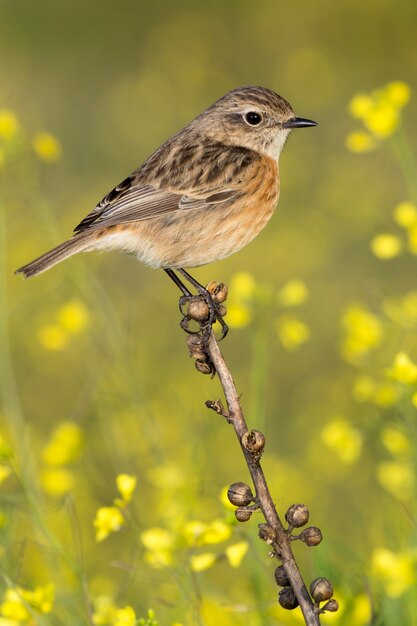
(130, 202)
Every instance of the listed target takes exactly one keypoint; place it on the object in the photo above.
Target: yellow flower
(5, 472)
(65, 445)
(216, 532)
(9, 126)
(360, 106)
(242, 286)
(73, 317)
(13, 606)
(395, 441)
(52, 337)
(238, 316)
(194, 531)
(157, 539)
(57, 482)
(47, 147)
(104, 610)
(398, 92)
(292, 332)
(345, 441)
(397, 477)
(109, 519)
(403, 370)
(363, 332)
(236, 553)
(17, 602)
(361, 611)
(364, 389)
(386, 394)
(125, 617)
(386, 246)
(293, 293)
(405, 214)
(201, 562)
(412, 238)
(126, 485)
(382, 120)
(396, 571)
(360, 141)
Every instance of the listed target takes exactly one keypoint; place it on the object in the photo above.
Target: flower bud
(332, 606)
(240, 494)
(253, 441)
(218, 291)
(321, 589)
(281, 577)
(311, 536)
(297, 515)
(243, 515)
(266, 533)
(198, 310)
(287, 599)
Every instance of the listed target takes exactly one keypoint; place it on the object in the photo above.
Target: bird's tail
(54, 256)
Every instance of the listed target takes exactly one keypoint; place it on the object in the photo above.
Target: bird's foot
(206, 309)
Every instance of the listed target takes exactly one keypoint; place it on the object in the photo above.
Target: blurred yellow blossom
(159, 544)
(380, 113)
(403, 369)
(292, 332)
(405, 214)
(343, 439)
(397, 477)
(361, 612)
(109, 519)
(5, 472)
(241, 292)
(386, 246)
(201, 562)
(364, 388)
(217, 531)
(53, 337)
(124, 617)
(412, 238)
(293, 293)
(64, 446)
(395, 441)
(126, 485)
(396, 571)
(360, 141)
(47, 147)
(236, 553)
(9, 124)
(57, 481)
(363, 332)
(73, 316)
(104, 610)
(19, 604)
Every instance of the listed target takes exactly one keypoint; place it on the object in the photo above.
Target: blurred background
(112, 471)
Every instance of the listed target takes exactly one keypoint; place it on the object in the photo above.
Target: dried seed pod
(266, 533)
(195, 347)
(253, 441)
(198, 310)
(243, 515)
(281, 577)
(321, 589)
(311, 536)
(297, 515)
(221, 310)
(287, 599)
(203, 367)
(240, 494)
(218, 291)
(332, 606)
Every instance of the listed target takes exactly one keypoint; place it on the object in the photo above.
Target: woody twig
(205, 349)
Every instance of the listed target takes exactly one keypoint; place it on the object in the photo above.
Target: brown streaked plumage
(204, 194)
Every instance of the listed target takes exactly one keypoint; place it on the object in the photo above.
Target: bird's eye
(253, 118)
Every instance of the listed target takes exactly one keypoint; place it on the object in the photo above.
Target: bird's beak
(298, 122)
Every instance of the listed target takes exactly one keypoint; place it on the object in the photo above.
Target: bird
(202, 195)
